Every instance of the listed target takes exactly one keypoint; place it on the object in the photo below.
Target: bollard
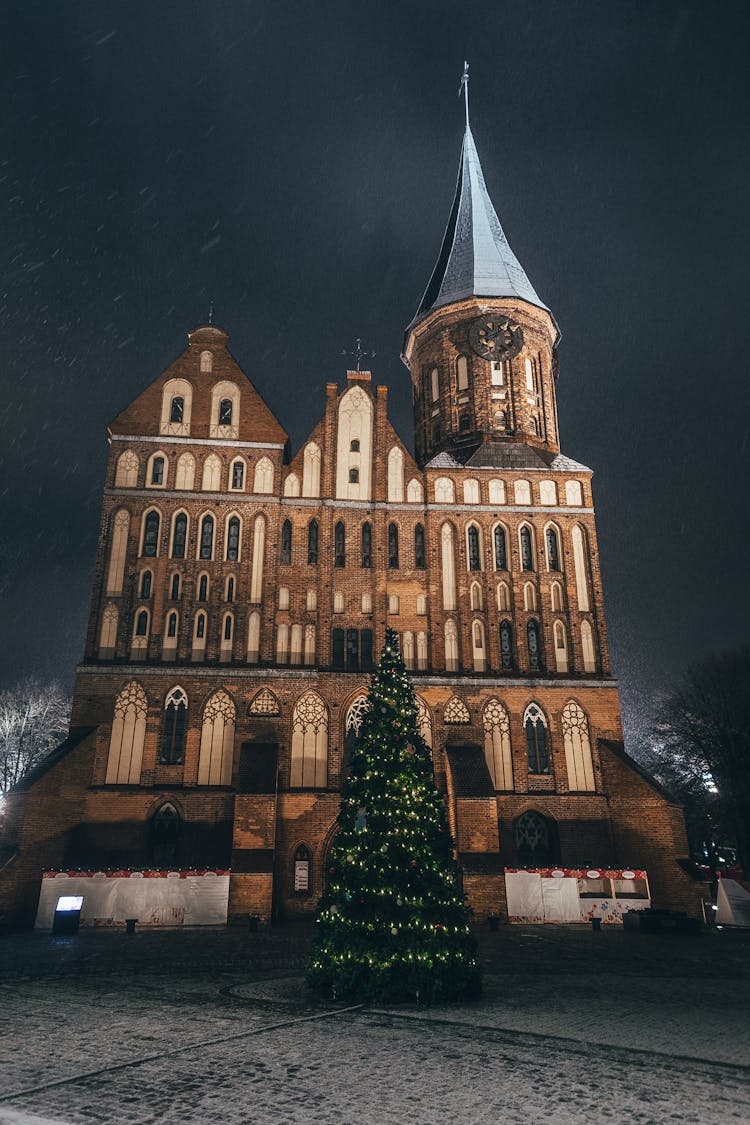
(130, 925)
(596, 925)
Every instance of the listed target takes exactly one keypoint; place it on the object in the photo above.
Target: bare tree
(34, 717)
(705, 746)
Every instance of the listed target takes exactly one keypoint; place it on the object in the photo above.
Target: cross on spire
(464, 87)
(358, 353)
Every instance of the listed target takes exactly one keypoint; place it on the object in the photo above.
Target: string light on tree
(392, 924)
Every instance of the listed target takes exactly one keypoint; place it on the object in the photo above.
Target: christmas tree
(392, 924)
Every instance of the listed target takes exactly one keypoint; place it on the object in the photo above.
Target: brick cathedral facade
(241, 596)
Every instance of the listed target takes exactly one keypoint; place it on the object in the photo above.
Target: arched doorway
(536, 840)
(165, 837)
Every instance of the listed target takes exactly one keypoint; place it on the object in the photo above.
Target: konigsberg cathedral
(241, 598)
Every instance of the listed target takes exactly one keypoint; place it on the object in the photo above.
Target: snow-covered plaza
(217, 1026)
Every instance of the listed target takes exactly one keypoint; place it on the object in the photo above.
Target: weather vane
(358, 354)
(464, 88)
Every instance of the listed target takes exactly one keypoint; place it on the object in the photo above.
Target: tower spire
(465, 87)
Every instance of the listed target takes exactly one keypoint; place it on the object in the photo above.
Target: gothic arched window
(207, 538)
(309, 768)
(146, 584)
(233, 539)
(339, 544)
(151, 535)
(419, 553)
(230, 589)
(501, 551)
(366, 546)
(172, 624)
(179, 535)
(165, 833)
(535, 727)
(174, 589)
(312, 543)
(553, 549)
(506, 644)
(472, 544)
(286, 543)
(203, 588)
(217, 741)
(527, 554)
(497, 744)
(535, 648)
(577, 744)
(172, 746)
(225, 412)
(177, 408)
(535, 840)
(157, 471)
(127, 737)
(141, 624)
(393, 546)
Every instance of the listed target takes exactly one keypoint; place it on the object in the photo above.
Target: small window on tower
(354, 447)
(498, 373)
(225, 412)
(464, 423)
(177, 409)
(462, 373)
(354, 476)
(238, 475)
(435, 384)
(174, 592)
(141, 624)
(146, 584)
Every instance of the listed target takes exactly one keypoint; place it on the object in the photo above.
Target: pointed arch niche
(309, 761)
(577, 744)
(127, 737)
(217, 741)
(497, 749)
(354, 430)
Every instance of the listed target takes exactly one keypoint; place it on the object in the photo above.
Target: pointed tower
(481, 347)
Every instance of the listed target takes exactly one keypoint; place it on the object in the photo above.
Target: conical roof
(475, 259)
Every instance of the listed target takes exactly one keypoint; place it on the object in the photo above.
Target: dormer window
(225, 412)
(177, 409)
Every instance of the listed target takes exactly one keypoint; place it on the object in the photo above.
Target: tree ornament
(394, 930)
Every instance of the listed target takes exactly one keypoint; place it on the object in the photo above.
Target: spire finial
(211, 313)
(358, 354)
(464, 87)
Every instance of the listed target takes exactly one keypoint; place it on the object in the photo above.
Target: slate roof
(506, 455)
(475, 258)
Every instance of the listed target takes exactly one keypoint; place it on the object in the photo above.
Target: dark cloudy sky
(295, 163)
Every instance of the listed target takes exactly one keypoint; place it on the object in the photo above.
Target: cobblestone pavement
(216, 1026)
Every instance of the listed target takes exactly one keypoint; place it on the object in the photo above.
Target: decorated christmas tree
(392, 924)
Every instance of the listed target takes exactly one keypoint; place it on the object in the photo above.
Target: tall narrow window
(339, 544)
(462, 373)
(506, 645)
(127, 737)
(366, 546)
(151, 535)
(497, 750)
(337, 649)
(527, 555)
(225, 412)
(419, 553)
(553, 550)
(435, 384)
(172, 746)
(141, 624)
(146, 584)
(174, 589)
(177, 409)
(501, 550)
(179, 536)
(200, 626)
(233, 539)
(535, 726)
(207, 537)
(217, 741)
(238, 475)
(157, 470)
(312, 543)
(203, 588)
(577, 747)
(230, 589)
(472, 543)
(535, 655)
(352, 650)
(393, 546)
(172, 625)
(286, 543)
(365, 649)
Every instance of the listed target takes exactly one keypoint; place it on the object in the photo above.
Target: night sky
(295, 164)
